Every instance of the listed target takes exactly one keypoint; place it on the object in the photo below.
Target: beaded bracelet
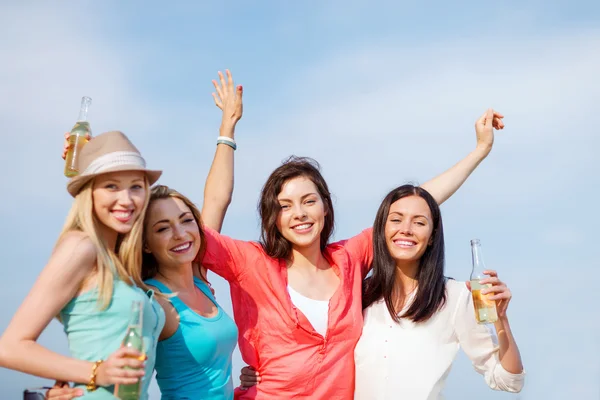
(91, 386)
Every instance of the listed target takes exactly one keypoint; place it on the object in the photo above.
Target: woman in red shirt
(296, 298)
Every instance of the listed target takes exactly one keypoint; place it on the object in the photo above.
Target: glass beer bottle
(485, 309)
(78, 138)
(135, 340)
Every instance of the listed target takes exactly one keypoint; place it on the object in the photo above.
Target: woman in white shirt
(415, 319)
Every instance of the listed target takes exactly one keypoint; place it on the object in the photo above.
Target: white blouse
(412, 361)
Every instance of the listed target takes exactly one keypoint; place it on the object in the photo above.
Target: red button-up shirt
(294, 361)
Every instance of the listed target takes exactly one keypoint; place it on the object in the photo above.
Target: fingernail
(240, 87)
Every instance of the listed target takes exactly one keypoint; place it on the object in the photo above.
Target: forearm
(31, 358)
(510, 358)
(446, 184)
(218, 189)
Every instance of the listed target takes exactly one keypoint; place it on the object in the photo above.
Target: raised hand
(113, 371)
(228, 99)
(66, 144)
(484, 127)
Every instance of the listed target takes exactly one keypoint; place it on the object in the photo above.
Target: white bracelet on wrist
(228, 141)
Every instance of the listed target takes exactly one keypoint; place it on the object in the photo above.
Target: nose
(125, 198)
(299, 212)
(406, 227)
(178, 231)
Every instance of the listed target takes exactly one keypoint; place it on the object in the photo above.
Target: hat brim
(79, 181)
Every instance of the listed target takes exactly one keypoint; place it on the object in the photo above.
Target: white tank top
(315, 311)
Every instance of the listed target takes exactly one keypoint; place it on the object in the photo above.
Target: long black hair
(431, 292)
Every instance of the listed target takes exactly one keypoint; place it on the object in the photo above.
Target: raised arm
(446, 184)
(70, 264)
(218, 189)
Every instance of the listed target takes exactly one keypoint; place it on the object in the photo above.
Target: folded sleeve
(227, 257)
(480, 343)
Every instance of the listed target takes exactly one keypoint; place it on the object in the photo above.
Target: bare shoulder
(76, 249)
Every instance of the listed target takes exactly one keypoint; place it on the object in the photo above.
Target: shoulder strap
(175, 301)
(200, 284)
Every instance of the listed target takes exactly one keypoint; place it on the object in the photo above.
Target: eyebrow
(166, 220)
(416, 216)
(302, 198)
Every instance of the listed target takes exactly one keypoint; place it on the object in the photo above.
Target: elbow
(5, 353)
(507, 381)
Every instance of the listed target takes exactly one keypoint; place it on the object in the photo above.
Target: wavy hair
(161, 192)
(273, 242)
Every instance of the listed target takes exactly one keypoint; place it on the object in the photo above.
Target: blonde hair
(161, 192)
(127, 263)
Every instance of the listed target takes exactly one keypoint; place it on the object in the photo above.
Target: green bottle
(135, 340)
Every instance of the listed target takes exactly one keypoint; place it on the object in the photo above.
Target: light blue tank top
(195, 363)
(95, 334)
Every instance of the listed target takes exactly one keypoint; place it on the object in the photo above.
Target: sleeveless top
(195, 363)
(94, 334)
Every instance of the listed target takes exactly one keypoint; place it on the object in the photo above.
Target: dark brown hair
(274, 244)
(161, 192)
(431, 290)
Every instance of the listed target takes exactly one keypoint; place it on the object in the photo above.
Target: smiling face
(302, 213)
(119, 199)
(172, 232)
(408, 229)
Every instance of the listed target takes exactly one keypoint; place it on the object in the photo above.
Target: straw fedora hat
(108, 152)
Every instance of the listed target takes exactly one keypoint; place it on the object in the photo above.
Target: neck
(406, 275)
(307, 257)
(178, 277)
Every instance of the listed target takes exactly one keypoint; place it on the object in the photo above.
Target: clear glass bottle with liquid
(78, 138)
(485, 309)
(133, 339)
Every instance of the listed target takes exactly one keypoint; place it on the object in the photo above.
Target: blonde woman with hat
(92, 278)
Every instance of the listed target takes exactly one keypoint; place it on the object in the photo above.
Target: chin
(304, 242)
(405, 257)
(122, 229)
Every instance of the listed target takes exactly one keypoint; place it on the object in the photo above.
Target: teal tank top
(95, 334)
(195, 363)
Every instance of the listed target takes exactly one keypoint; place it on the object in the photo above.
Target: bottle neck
(83, 111)
(477, 260)
(135, 321)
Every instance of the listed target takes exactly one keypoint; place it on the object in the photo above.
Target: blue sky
(380, 93)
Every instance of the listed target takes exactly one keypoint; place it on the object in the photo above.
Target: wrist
(93, 381)
(227, 128)
(481, 151)
(502, 321)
